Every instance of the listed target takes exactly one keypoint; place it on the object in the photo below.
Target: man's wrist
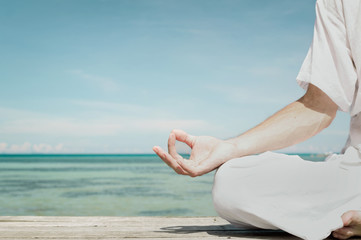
(241, 149)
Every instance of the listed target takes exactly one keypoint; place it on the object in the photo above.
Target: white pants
(278, 191)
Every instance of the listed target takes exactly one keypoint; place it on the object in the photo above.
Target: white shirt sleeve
(328, 64)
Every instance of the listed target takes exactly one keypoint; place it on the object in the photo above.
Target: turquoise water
(101, 185)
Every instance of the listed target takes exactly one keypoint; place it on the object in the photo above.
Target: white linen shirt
(333, 62)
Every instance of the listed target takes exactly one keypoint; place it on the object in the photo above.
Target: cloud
(119, 107)
(23, 148)
(107, 124)
(12, 113)
(60, 127)
(27, 147)
(92, 131)
(107, 84)
(3, 147)
(98, 127)
(47, 148)
(244, 94)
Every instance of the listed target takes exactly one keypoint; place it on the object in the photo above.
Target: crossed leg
(352, 225)
(276, 191)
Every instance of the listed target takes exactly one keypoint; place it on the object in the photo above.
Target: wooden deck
(127, 227)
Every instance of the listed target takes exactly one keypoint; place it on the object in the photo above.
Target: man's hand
(294, 123)
(208, 153)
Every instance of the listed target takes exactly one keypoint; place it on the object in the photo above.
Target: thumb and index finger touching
(172, 158)
(177, 162)
(177, 135)
(182, 136)
(190, 140)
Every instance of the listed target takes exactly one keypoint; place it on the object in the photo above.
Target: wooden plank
(30, 227)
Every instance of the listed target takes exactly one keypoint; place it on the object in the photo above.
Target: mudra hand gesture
(208, 153)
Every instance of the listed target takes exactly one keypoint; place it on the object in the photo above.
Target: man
(276, 191)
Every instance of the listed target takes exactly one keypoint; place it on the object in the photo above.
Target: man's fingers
(171, 147)
(347, 218)
(192, 171)
(182, 136)
(197, 170)
(343, 233)
(169, 160)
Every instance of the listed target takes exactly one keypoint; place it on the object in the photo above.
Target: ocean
(102, 185)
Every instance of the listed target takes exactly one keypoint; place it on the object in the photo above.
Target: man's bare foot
(351, 225)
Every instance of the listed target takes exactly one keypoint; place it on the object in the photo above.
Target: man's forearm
(295, 123)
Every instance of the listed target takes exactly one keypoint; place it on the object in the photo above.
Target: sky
(116, 76)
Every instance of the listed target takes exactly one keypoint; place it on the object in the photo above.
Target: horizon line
(122, 154)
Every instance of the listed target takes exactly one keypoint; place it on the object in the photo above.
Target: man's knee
(234, 194)
(233, 180)
(222, 198)
(235, 183)
(228, 189)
